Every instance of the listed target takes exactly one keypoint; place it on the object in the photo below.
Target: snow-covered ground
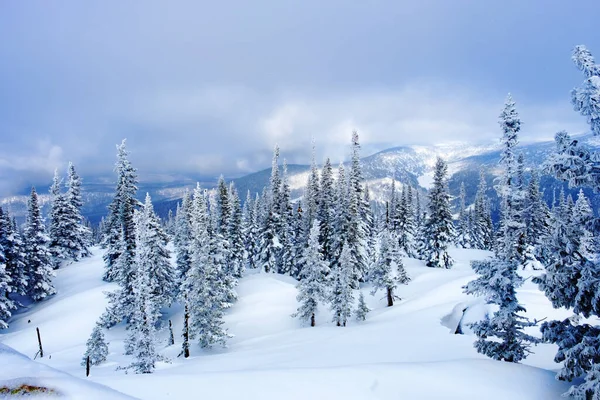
(402, 352)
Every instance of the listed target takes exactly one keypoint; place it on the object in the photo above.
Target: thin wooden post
(40, 342)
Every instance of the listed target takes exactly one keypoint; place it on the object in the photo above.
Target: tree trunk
(87, 366)
(312, 319)
(186, 332)
(171, 336)
(390, 297)
(40, 342)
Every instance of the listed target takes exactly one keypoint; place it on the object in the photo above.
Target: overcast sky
(201, 88)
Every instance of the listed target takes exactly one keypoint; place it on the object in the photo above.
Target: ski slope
(401, 352)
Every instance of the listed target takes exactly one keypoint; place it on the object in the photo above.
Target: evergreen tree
(356, 227)
(12, 245)
(537, 219)
(463, 237)
(288, 251)
(312, 285)
(500, 337)
(438, 230)
(362, 310)
(203, 286)
(182, 238)
(511, 234)
(6, 304)
(37, 255)
(96, 347)
(326, 213)
(404, 221)
(342, 296)
(311, 196)
(483, 229)
(235, 236)
(120, 240)
(340, 230)
(250, 231)
(586, 99)
(81, 234)
(382, 274)
(59, 234)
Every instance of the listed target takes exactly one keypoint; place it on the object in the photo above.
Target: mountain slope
(399, 352)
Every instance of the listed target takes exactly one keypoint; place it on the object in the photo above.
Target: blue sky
(202, 88)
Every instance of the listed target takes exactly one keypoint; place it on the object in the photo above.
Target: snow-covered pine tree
(362, 309)
(500, 337)
(250, 231)
(537, 219)
(370, 230)
(289, 257)
(96, 347)
(511, 232)
(81, 234)
(583, 223)
(12, 245)
(119, 237)
(204, 291)
(37, 256)
(340, 222)
(342, 296)
(6, 304)
(382, 274)
(326, 214)
(405, 227)
(59, 233)
(463, 237)
(182, 238)
(586, 99)
(312, 287)
(483, 229)
(311, 196)
(439, 228)
(356, 227)
(235, 235)
(120, 240)
(151, 250)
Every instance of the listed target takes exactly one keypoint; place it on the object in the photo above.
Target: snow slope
(402, 352)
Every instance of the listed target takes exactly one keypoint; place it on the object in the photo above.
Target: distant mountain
(407, 165)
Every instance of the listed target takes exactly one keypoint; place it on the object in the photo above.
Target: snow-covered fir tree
(250, 230)
(37, 256)
(311, 196)
(119, 240)
(537, 220)
(182, 238)
(483, 229)
(312, 287)
(153, 288)
(404, 221)
(288, 255)
(340, 221)
(388, 271)
(204, 286)
(463, 233)
(500, 336)
(439, 228)
(326, 214)
(342, 296)
(586, 99)
(362, 309)
(12, 246)
(512, 230)
(235, 235)
(6, 304)
(96, 347)
(81, 234)
(356, 236)
(59, 235)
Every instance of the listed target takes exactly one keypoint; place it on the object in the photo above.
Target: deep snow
(402, 352)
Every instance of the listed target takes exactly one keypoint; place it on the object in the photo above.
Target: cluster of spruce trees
(29, 256)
